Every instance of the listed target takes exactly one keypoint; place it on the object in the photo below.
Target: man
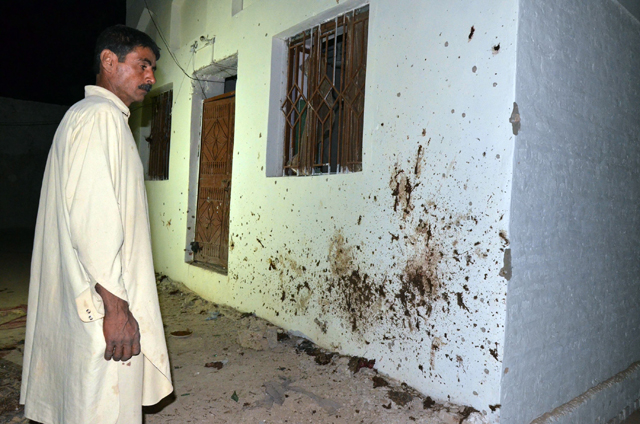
(93, 304)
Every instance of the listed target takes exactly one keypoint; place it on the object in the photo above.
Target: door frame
(211, 84)
(229, 160)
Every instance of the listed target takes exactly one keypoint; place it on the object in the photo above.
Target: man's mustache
(145, 87)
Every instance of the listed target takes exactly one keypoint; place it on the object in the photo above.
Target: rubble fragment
(475, 418)
(379, 382)
(428, 403)
(258, 336)
(181, 333)
(399, 398)
(324, 358)
(281, 336)
(308, 347)
(275, 392)
(357, 362)
(468, 410)
(213, 316)
(445, 416)
(217, 365)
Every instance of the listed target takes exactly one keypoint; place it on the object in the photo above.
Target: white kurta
(92, 227)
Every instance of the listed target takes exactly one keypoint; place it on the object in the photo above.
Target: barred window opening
(160, 137)
(324, 102)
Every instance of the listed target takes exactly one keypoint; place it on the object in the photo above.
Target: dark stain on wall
(354, 294)
(420, 280)
(401, 189)
(402, 186)
(461, 301)
(494, 352)
(431, 263)
(418, 167)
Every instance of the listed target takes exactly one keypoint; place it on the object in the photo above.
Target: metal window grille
(159, 139)
(324, 103)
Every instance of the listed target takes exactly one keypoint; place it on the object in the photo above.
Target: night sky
(47, 46)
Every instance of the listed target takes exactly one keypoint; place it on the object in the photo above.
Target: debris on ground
(379, 382)
(10, 409)
(307, 347)
(282, 336)
(467, 411)
(275, 392)
(475, 418)
(4, 351)
(212, 316)
(258, 335)
(276, 384)
(14, 317)
(447, 416)
(428, 403)
(323, 358)
(399, 398)
(356, 363)
(217, 365)
(182, 333)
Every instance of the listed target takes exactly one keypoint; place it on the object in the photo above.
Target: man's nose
(151, 79)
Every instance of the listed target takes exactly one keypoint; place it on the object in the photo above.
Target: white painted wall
(574, 299)
(347, 251)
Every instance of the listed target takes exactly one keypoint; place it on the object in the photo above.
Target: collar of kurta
(94, 90)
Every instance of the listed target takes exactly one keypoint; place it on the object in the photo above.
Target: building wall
(26, 134)
(572, 310)
(403, 262)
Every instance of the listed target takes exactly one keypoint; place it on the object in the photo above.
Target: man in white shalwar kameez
(95, 350)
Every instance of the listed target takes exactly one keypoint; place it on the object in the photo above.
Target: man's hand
(119, 326)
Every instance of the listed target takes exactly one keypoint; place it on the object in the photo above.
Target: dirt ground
(230, 367)
(236, 368)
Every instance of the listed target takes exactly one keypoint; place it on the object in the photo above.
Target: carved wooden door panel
(214, 186)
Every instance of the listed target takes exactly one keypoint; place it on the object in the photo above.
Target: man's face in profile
(134, 77)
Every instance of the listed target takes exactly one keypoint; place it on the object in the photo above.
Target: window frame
(159, 138)
(319, 88)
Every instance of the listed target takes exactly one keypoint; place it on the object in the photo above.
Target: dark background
(47, 46)
(46, 49)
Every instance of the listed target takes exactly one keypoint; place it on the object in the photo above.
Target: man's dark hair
(121, 40)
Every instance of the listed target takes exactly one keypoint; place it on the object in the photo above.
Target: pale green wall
(427, 85)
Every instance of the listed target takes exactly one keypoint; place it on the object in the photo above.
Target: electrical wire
(170, 52)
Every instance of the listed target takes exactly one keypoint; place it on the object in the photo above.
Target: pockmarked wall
(26, 134)
(403, 262)
(572, 312)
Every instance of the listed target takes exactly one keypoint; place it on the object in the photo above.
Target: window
(159, 139)
(324, 103)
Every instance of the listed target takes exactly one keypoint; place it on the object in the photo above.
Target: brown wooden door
(214, 186)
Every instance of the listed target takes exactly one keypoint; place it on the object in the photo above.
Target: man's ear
(108, 61)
